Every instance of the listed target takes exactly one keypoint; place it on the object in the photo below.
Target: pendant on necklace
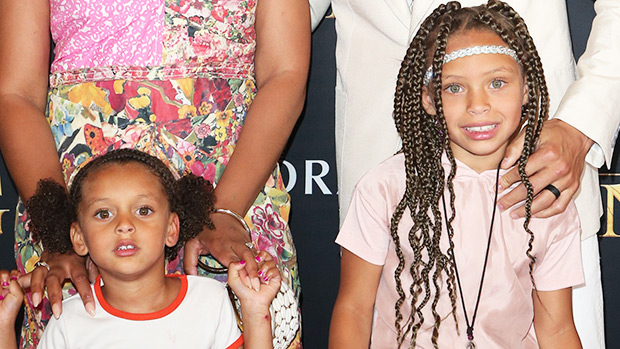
(470, 338)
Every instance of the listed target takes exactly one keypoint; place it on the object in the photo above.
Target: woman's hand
(227, 243)
(281, 63)
(11, 300)
(62, 267)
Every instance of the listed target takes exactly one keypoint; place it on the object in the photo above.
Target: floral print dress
(173, 78)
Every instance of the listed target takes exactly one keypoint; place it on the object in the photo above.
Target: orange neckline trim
(236, 344)
(143, 316)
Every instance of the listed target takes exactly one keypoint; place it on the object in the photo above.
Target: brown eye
(103, 214)
(144, 211)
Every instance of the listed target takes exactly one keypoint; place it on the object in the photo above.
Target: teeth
(481, 128)
(126, 247)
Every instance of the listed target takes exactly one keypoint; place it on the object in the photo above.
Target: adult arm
(351, 322)
(281, 63)
(553, 319)
(26, 141)
(589, 113)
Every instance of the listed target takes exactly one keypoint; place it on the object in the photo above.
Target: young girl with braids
(126, 211)
(427, 258)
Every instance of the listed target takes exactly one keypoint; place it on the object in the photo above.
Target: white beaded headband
(470, 51)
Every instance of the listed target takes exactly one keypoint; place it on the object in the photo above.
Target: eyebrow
(100, 199)
(490, 72)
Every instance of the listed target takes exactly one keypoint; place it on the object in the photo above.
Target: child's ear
(427, 102)
(526, 90)
(77, 239)
(172, 236)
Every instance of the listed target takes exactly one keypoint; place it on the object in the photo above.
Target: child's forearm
(566, 338)
(256, 327)
(349, 328)
(7, 336)
(553, 319)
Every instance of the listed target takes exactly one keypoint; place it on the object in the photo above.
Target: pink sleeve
(560, 266)
(366, 228)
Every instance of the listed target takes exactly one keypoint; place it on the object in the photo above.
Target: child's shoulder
(75, 306)
(559, 225)
(196, 283)
(390, 172)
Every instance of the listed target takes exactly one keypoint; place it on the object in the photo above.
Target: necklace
(470, 326)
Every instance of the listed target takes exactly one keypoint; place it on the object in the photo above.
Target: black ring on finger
(552, 188)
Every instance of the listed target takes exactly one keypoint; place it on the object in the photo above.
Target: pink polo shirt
(505, 312)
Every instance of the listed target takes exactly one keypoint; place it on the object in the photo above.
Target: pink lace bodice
(183, 36)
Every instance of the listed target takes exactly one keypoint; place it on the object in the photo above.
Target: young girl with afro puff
(128, 213)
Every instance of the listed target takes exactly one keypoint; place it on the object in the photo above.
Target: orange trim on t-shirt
(143, 316)
(237, 343)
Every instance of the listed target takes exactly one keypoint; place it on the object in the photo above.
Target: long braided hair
(424, 140)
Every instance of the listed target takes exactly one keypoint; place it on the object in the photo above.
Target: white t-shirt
(200, 317)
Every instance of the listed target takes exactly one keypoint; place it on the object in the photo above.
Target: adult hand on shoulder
(69, 266)
(227, 243)
(558, 160)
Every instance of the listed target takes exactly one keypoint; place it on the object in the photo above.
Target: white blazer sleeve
(592, 103)
(317, 11)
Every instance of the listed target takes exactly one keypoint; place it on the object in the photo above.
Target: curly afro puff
(51, 214)
(52, 210)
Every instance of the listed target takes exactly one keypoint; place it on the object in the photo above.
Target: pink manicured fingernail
(260, 273)
(1, 297)
(241, 262)
(13, 277)
(56, 310)
(258, 259)
(90, 309)
(265, 279)
(5, 283)
(36, 299)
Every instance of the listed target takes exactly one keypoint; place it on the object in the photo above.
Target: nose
(478, 102)
(124, 225)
